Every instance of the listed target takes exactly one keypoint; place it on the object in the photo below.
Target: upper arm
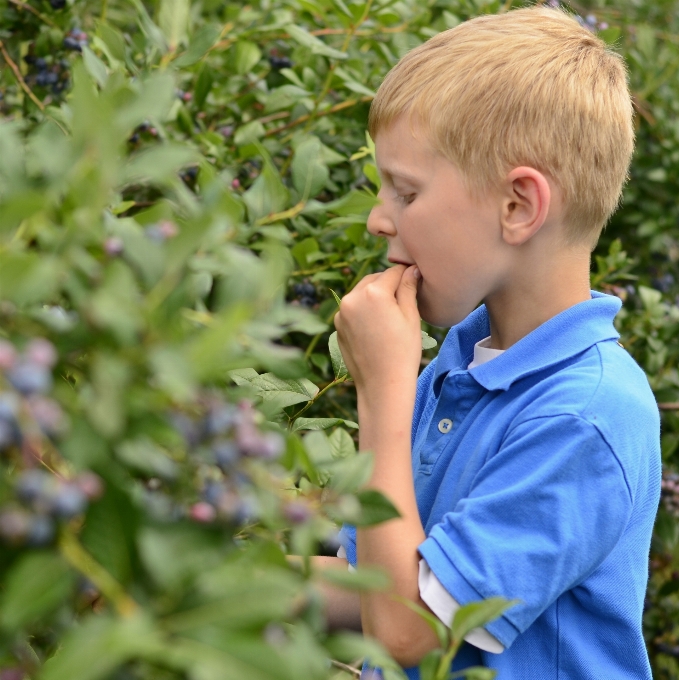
(542, 515)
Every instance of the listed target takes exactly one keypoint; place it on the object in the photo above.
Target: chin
(440, 315)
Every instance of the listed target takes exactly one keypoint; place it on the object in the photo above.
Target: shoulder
(605, 388)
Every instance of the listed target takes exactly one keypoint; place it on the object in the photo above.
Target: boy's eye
(406, 199)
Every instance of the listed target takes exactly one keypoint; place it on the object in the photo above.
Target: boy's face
(429, 219)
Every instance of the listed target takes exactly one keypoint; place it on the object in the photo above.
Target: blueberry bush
(184, 189)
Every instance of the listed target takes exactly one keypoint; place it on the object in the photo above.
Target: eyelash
(405, 200)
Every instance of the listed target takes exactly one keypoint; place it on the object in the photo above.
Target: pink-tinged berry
(90, 484)
(41, 352)
(168, 229)
(16, 673)
(47, 414)
(297, 512)
(8, 355)
(113, 246)
(203, 512)
(235, 184)
(187, 96)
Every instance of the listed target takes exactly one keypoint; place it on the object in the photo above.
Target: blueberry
(191, 432)
(41, 352)
(71, 43)
(220, 419)
(41, 531)
(14, 525)
(29, 378)
(154, 233)
(45, 78)
(134, 139)
(69, 502)
(58, 4)
(40, 64)
(277, 63)
(226, 454)
(8, 355)
(297, 512)
(268, 445)
(33, 485)
(8, 434)
(305, 301)
(213, 492)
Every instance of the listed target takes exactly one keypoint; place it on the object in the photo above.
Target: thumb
(406, 294)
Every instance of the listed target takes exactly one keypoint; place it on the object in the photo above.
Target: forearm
(342, 607)
(385, 430)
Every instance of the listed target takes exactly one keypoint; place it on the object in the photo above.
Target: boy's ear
(526, 197)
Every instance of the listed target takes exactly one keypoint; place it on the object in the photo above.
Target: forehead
(403, 149)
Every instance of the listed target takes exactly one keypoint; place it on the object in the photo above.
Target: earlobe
(526, 199)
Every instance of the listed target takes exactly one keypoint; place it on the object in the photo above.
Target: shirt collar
(563, 336)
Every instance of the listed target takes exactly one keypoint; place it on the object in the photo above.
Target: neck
(539, 290)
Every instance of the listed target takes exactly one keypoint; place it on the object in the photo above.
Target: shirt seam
(598, 431)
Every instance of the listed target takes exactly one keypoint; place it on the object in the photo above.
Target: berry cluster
(159, 232)
(48, 73)
(669, 492)
(305, 294)
(44, 500)
(75, 40)
(227, 436)
(277, 63)
(143, 130)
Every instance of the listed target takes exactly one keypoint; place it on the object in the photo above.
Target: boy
(533, 471)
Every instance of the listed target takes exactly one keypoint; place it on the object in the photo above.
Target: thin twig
(669, 406)
(326, 112)
(32, 10)
(356, 672)
(19, 77)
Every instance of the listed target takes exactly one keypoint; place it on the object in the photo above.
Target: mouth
(393, 260)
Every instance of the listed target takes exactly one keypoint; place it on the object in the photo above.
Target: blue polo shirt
(544, 489)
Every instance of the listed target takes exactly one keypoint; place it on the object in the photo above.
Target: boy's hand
(378, 328)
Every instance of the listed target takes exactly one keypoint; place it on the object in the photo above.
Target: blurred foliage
(183, 185)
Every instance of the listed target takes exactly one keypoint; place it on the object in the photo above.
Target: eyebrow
(400, 174)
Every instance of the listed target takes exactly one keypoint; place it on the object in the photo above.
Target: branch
(669, 406)
(326, 112)
(19, 77)
(82, 561)
(32, 10)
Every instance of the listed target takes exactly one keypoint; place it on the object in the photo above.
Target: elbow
(407, 649)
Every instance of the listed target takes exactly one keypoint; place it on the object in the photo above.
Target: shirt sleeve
(543, 513)
(444, 605)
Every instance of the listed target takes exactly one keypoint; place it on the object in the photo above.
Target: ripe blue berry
(41, 531)
(29, 378)
(226, 454)
(69, 502)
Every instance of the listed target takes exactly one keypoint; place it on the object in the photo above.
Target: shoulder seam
(601, 435)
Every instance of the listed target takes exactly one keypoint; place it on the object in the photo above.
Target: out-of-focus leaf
(338, 365)
(316, 45)
(201, 42)
(34, 587)
(173, 19)
(476, 614)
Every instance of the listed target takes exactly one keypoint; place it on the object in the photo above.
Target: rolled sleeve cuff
(444, 605)
(502, 629)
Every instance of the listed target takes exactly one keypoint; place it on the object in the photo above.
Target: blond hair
(528, 87)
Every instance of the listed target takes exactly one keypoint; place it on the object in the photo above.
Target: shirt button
(445, 425)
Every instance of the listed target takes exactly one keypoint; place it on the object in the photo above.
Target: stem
(74, 553)
(32, 10)
(19, 77)
(336, 381)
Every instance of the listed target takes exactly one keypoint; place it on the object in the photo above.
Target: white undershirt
(437, 598)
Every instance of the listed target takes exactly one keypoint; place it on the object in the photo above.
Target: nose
(379, 223)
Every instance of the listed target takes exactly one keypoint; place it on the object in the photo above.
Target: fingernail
(416, 273)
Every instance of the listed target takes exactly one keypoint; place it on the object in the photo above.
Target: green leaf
(427, 341)
(173, 19)
(475, 673)
(348, 647)
(309, 173)
(203, 85)
(246, 56)
(283, 392)
(36, 585)
(267, 194)
(313, 43)
(349, 474)
(375, 508)
(341, 443)
(200, 44)
(338, 365)
(96, 647)
(144, 455)
(159, 163)
(364, 578)
(95, 66)
(303, 249)
(477, 614)
(320, 423)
